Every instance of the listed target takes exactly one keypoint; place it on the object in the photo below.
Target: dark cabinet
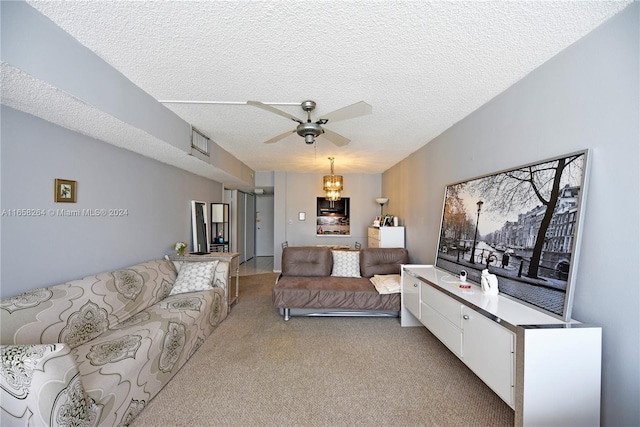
(333, 217)
(339, 208)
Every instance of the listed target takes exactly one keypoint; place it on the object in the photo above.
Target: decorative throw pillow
(386, 284)
(346, 263)
(194, 276)
(176, 264)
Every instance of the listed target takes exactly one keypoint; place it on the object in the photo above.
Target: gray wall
(297, 192)
(585, 97)
(35, 45)
(51, 249)
(31, 42)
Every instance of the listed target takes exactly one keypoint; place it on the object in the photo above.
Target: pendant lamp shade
(332, 184)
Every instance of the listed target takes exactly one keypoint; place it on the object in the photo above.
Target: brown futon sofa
(313, 282)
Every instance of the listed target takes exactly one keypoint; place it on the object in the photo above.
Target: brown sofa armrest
(382, 261)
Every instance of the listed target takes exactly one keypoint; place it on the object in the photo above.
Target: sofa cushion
(194, 276)
(346, 263)
(338, 293)
(126, 366)
(306, 261)
(382, 261)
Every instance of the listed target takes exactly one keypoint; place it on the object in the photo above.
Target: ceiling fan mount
(308, 106)
(309, 129)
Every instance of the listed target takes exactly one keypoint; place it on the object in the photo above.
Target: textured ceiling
(422, 65)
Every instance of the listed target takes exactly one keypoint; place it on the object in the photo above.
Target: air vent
(199, 141)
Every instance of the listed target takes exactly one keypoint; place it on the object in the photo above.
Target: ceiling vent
(199, 141)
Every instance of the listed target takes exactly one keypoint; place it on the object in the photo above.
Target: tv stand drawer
(447, 332)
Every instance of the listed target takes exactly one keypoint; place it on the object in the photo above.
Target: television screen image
(523, 225)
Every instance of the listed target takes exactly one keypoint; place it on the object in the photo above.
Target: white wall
(50, 249)
(585, 97)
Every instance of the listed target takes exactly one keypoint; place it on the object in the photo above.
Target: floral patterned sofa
(95, 351)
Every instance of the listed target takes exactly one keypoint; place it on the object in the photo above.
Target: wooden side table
(233, 258)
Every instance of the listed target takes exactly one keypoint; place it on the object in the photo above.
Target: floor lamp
(381, 201)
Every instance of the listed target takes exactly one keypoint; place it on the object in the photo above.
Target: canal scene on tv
(519, 224)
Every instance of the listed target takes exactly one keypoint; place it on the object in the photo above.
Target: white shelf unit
(219, 227)
(385, 237)
(547, 370)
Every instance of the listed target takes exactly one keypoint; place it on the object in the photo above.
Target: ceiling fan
(309, 130)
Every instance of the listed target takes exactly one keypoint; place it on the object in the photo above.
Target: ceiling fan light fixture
(309, 131)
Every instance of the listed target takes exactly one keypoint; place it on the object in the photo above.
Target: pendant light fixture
(332, 184)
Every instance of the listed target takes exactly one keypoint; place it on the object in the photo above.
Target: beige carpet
(257, 370)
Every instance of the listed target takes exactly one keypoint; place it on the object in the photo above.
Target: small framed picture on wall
(65, 191)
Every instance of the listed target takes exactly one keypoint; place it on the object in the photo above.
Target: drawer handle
(465, 317)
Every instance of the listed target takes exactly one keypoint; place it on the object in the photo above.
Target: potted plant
(180, 247)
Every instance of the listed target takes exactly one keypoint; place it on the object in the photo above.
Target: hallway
(257, 265)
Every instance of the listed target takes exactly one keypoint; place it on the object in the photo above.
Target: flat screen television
(523, 225)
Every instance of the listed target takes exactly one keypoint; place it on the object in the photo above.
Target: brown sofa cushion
(382, 261)
(340, 293)
(306, 261)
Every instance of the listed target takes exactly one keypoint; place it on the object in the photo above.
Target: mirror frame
(197, 245)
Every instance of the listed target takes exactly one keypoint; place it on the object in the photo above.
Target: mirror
(199, 227)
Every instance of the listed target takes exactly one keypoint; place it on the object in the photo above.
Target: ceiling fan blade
(274, 110)
(279, 137)
(349, 112)
(336, 138)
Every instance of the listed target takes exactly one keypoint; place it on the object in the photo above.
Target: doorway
(264, 225)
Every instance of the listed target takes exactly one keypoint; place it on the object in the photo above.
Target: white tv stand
(547, 370)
